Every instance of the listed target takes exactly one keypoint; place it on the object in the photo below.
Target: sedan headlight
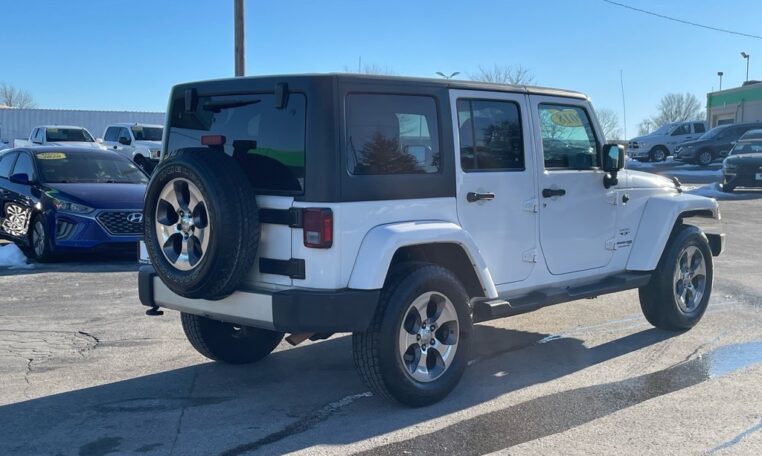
(68, 206)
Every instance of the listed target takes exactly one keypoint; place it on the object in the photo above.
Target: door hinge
(530, 256)
(611, 244)
(530, 205)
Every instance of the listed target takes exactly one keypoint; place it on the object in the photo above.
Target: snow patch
(714, 190)
(12, 257)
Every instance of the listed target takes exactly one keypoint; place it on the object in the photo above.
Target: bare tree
(504, 74)
(15, 98)
(645, 127)
(677, 107)
(370, 68)
(609, 121)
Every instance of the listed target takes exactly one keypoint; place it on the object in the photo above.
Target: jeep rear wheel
(417, 346)
(201, 224)
(678, 293)
(220, 341)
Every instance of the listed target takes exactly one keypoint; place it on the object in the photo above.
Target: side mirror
(99, 140)
(613, 161)
(124, 141)
(20, 178)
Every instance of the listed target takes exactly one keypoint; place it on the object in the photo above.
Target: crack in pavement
(299, 426)
(26, 377)
(179, 428)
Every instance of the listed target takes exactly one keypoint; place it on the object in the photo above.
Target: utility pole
(240, 67)
(624, 106)
(746, 56)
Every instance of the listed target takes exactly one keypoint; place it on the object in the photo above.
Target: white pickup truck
(59, 135)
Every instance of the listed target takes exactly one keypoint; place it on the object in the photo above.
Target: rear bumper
(292, 310)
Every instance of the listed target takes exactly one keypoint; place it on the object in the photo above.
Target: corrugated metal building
(18, 123)
(736, 105)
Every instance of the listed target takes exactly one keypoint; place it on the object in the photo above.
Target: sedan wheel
(704, 158)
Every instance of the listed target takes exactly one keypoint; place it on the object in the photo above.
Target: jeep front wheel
(226, 342)
(678, 293)
(417, 346)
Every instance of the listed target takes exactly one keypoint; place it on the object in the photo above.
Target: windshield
(713, 132)
(664, 129)
(67, 167)
(750, 147)
(147, 133)
(67, 134)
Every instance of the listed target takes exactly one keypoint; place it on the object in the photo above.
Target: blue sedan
(62, 199)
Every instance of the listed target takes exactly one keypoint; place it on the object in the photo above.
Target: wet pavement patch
(562, 411)
(100, 447)
(158, 404)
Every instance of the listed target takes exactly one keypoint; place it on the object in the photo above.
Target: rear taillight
(213, 140)
(318, 228)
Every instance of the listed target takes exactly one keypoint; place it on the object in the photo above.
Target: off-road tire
(233, 221)
(375, 350)
(232, 344)
(657, 298)
(658, 154)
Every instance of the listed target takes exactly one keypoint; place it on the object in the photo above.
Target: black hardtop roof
(394, 80)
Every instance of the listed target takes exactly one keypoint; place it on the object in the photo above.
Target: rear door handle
(473, 197)
(551, 192)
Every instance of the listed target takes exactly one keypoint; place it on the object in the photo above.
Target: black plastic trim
(145, 285)
(716, 243)
(293, 267)
(485, 310)
(331, 311)
(291, 217)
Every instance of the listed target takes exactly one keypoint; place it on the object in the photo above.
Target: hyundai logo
(135, 217)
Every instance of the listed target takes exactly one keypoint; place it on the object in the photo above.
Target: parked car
(59, 135)
(403, 210)
(714, 144)
(743, 166)
(61, 199)
(658, 145)
(140, 143)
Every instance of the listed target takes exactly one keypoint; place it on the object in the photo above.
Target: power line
(682, 21)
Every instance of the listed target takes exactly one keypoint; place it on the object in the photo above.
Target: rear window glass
(392, 134)
(67, 134)
(268, 142)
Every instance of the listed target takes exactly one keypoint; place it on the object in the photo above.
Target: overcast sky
(126, 54)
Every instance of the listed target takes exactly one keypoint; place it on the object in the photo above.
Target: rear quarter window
(391, 134)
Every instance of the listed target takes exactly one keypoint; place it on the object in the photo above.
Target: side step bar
(498, 308)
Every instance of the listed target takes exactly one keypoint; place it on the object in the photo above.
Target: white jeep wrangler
(403, 210)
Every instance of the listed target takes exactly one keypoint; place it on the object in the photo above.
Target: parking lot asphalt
(83, 371)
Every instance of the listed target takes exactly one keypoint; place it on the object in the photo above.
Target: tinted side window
(684, 129)
(490, 135)
(568, 140)
(111, 134)
(392, 134)
(38, 135)
(24, 165)
(124, 133)
(699, 127)
(6, 163)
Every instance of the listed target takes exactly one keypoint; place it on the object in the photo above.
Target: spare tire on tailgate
(201, 223)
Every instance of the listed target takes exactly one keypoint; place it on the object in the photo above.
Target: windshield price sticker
(566, 118)
(51, 156)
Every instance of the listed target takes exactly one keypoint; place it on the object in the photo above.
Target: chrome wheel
(659, 155)
(690, 279)
(428, 336)
(38, 239)
(705, 158)
(182, 224)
